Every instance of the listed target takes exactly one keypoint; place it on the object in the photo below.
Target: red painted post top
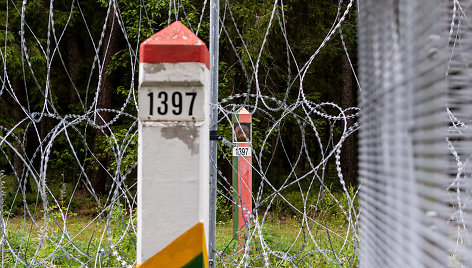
(175, 43)
(244, 116)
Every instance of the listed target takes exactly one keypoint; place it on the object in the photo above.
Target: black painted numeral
(177, 102)
(162, 110)
(151, 99)
(194, 95)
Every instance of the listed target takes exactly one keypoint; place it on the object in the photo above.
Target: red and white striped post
(173, 149)
(242, 172)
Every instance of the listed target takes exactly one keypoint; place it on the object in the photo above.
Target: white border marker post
(173, 147)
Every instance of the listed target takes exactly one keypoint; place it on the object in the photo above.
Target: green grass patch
(76, 242)
(291, 243)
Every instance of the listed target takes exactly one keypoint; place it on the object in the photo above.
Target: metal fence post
(214, 49)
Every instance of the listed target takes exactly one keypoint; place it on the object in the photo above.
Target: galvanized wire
(50, 229)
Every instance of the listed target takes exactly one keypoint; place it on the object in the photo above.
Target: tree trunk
(111, 46)
(18, 167)
(73, 64)
(74, 55)
(348, 99)
(14, 109)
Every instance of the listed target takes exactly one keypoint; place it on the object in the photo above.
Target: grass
(323, 238)
(86, 240)
(291, 237)
(89, 236)
(81, 241)
(78, 237)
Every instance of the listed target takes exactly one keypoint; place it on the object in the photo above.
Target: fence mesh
(414, 140)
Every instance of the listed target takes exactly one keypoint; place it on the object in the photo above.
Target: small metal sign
(242, 151)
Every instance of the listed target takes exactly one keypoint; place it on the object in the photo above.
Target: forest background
(73, 86)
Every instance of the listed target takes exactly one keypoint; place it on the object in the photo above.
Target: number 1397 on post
(164, 104)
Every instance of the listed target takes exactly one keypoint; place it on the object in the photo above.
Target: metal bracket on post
(214, 136)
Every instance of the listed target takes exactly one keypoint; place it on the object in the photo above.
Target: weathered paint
(187, 133)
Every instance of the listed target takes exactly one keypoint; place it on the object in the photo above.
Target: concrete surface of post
(173, 146)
